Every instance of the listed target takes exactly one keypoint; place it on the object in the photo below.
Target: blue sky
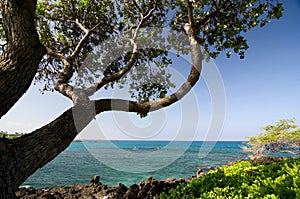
(260, 89)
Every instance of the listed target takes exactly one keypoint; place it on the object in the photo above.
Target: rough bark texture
(18, 65)
(19, 62)
(21, 157)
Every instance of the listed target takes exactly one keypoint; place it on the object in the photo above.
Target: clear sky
(260, 89)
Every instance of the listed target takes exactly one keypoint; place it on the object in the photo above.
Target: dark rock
(21, 192)
(148, 189)
(122, 188)
(55, 195)
(95, 180)
(132, 192)
(150, 178)
(263, 159)
(152, 187)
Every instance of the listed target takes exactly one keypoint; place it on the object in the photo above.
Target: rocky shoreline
(147, 189)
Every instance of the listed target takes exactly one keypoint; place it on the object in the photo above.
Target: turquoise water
(129, 162)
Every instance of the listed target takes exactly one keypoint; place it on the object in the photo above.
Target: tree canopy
(70, 30)
(283, 137)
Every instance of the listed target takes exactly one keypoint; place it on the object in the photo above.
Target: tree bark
(22, 156)
(19, 62)
(18, 65)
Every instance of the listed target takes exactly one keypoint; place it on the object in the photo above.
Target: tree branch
(34, 150)
(80, 25)
(151, 10)
(103, 105)
(121, 73)
(83, 40)
(289, 151)
(58, 56)
(189, 7)
(137, 6)
(139, 107)
(62, 83)
(118, 75)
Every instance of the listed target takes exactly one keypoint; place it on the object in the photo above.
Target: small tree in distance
(283, 137)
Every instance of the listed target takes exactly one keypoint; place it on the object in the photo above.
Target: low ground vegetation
(244, 180)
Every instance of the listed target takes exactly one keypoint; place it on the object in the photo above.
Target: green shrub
(244, 180)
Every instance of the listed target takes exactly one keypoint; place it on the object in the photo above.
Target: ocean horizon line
(131, 140)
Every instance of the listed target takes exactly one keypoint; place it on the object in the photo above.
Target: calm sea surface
(129, 162)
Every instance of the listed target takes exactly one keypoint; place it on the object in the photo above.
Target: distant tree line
(5, 134)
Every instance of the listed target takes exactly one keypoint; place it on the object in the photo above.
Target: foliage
(59, 22)
(4, 134)
(282, 137)
(227, 21)
(244, 180)
(218, 26)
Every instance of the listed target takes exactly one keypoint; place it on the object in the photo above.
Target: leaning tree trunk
(19, 62)
(22, 156)
(18, 65)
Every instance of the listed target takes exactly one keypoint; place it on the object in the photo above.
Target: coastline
(147, 189)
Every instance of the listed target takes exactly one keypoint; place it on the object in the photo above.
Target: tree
(283, 137)
(49, 40)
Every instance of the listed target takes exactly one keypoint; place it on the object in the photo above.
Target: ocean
(129, 162)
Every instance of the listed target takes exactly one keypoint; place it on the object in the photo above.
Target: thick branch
(189, 7)
(131, 106)
(81, 26)
(103, 105)
(22, 156)
(34, 150)
(62, 83)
